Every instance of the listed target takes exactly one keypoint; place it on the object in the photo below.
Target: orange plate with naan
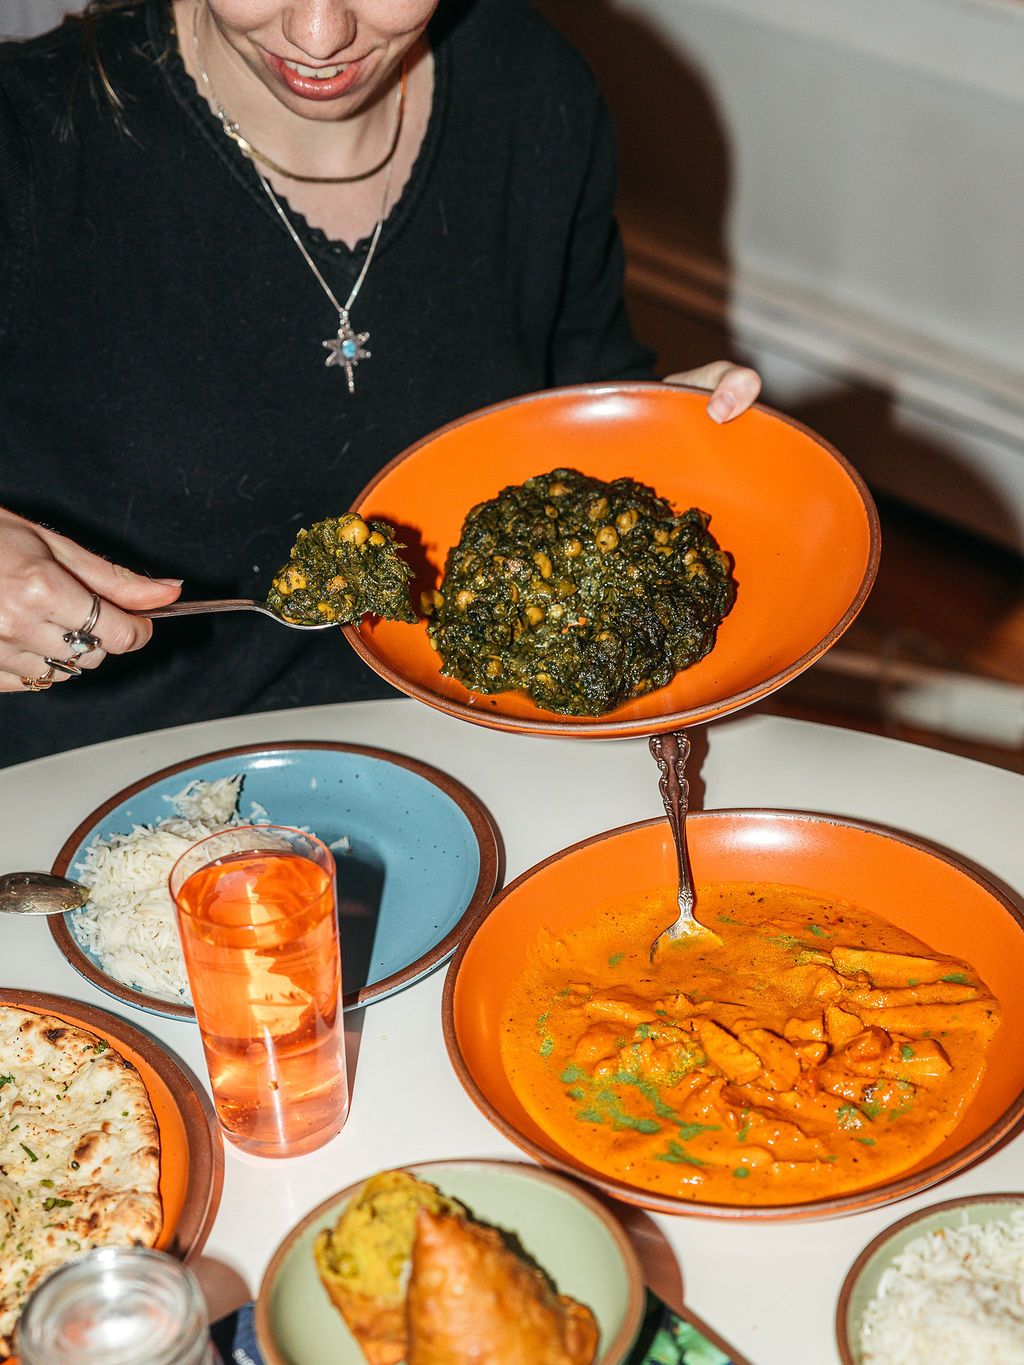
(191, 1147)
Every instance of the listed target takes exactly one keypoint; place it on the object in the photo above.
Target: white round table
(771, 1289)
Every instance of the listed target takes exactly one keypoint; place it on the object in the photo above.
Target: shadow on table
(223, 1287)
(360, 892)
(661, 1270)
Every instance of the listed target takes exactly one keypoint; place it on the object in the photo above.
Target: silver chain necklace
(348, 348)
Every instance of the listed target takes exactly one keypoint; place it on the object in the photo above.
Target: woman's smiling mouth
(317, 82)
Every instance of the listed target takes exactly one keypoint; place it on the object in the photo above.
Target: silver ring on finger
(82, 640)
(67, 666)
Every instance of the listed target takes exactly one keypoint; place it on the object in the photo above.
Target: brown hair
(94, 10)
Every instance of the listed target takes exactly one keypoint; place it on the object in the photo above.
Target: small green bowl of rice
(944, 1286)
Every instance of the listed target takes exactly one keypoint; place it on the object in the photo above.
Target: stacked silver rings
(81, 641)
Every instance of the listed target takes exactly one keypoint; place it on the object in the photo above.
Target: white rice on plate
(953, 1296)
(128, 922)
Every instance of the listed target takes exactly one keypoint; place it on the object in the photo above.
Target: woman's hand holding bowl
(734, 388)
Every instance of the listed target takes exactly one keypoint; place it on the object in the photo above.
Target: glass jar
(116, 1306)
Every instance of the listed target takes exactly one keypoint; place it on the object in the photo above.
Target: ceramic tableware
(796, 518)
(577, 1241)
(862, 1281)
(922, 889)
(418, 854)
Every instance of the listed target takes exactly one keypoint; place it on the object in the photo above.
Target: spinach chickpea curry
(816, 1050)
(341, 569)
(578, 592)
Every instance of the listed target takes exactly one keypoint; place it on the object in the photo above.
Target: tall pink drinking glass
(259, 931)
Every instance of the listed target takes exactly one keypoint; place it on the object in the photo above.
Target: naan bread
(79, 1153)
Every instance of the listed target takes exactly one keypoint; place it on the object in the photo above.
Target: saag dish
(578, 592)
(816, 1049)
(340, 570)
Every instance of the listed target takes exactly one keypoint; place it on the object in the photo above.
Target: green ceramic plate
(861, 1283)
(577, 1241)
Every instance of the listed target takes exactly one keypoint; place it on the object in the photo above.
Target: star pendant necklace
(348, 348)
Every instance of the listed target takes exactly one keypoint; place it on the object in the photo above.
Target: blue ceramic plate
(422, 856)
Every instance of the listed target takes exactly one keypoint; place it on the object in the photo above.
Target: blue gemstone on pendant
(350, 348)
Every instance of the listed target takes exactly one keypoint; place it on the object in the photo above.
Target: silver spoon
(670, 753)
(39, 893)
(231, 604)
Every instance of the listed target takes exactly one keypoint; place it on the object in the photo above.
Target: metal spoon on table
(231, 604)
(40, 893)
(670, 753)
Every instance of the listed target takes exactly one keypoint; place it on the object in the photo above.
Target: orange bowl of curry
(794, 517)
(848, 1035)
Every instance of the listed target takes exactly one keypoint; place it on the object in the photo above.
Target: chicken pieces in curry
(815, 1049)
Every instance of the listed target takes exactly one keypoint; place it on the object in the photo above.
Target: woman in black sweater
(201, 203)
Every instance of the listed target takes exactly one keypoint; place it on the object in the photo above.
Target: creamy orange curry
(814, 1049)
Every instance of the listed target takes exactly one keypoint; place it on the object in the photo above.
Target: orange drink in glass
(259, 932)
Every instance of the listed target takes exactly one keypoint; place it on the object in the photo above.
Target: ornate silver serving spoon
(670, 753)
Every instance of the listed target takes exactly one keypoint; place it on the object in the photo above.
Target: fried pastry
(473, 1301)
(364, 1261)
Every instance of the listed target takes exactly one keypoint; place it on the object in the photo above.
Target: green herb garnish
(679, 1156)
(688, 1131)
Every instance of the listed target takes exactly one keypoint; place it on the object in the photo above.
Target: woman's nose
(320, 28)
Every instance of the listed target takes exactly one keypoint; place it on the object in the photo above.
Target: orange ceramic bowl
(795, 517)
(922, 889)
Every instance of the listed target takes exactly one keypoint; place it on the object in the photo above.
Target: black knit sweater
(163, 394)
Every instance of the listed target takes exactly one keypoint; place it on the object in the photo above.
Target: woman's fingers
(36, 680)
(112, 582)
(48, 586)
(734, 387)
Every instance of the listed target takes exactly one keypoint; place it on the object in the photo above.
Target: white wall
(837, 189)
(24, 18)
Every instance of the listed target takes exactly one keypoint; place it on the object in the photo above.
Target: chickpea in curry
(815, 1050)
(340, 570)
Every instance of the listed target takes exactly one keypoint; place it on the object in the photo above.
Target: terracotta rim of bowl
(856, 1201)
(846, 1352)
(485, 834)
(611, 1354)
(551, 722)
